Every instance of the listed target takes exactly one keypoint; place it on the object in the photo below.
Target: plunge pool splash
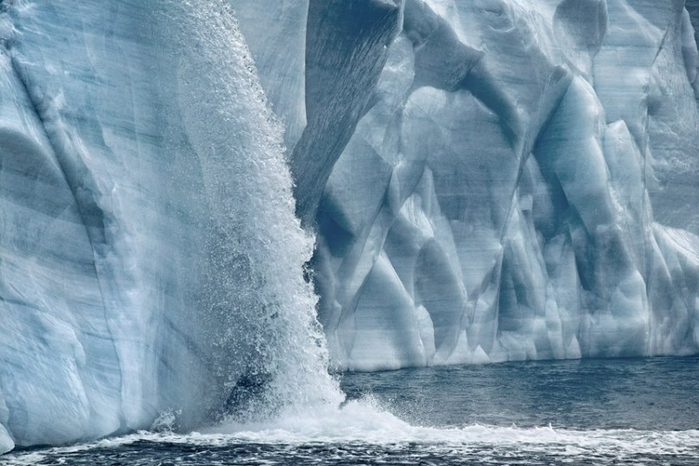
(590, 412)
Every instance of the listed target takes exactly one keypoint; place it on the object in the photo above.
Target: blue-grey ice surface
(522, 185)
(489, 180)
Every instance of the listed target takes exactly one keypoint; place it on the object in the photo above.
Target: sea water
(618, 411)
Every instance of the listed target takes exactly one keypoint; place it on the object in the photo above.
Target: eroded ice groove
(502, 195)
(346, 48)
(151, 259)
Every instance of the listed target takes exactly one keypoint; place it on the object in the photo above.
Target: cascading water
(165, 272)
(257, 249)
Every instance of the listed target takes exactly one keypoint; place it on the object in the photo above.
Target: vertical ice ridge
(77, 177)
(76, 174)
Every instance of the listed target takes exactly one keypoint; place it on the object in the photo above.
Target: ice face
(521, 187)
(145, 201)
(275, 32)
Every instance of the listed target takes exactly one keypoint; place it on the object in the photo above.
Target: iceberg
(207, 204)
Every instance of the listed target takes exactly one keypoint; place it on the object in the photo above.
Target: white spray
(238, 143)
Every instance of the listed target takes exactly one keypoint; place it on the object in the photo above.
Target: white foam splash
(362, 423)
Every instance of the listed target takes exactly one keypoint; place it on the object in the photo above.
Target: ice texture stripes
(522, 185)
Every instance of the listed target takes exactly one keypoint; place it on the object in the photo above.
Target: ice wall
(150, 258)
(520, 183)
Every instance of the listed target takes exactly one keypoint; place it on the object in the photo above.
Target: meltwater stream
(636, 411)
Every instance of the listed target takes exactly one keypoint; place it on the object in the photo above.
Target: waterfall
(152, 265)
(257, 248)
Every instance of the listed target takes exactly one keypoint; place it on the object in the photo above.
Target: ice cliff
(520, 182)
(488, 180)
(150, 258)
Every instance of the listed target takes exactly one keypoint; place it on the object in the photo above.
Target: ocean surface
(591, 412)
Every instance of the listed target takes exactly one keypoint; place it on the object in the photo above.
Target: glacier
(486, 180)
(522, 184)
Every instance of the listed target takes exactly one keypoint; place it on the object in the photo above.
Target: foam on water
(360, 426)
(364, 421)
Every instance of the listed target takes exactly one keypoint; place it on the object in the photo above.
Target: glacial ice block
(139, 162)
(538, 146)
